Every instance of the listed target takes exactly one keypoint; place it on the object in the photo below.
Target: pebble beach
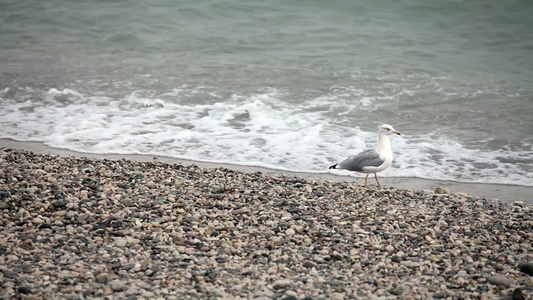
(90, 228)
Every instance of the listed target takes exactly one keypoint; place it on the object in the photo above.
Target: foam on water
(250, 129)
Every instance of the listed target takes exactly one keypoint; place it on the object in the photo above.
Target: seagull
(372, 160)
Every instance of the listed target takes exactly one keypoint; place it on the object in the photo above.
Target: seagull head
(388, 130)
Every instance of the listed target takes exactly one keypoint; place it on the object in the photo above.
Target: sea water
(292, 85)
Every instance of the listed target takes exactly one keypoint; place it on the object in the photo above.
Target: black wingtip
(333, 166)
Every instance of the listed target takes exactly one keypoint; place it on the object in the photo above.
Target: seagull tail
(333, 166)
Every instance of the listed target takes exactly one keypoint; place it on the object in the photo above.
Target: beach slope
(93, 227)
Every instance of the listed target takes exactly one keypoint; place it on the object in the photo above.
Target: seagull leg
(366, 180)
(379, 184)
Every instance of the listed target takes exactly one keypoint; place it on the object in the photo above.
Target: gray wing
(368, 158)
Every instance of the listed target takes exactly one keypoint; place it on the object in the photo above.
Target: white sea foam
(249, 129)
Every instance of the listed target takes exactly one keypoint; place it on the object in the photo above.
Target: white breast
(387, 157)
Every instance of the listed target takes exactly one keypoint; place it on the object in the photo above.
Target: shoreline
(489, 191)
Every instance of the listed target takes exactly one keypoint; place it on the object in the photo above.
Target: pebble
(526, 268)
(309, 264)
(240, 211)
(441, 190)
(290, 231)
(397, 291)
(37, 221)
(24, 290)
(160, 220)
(121, 242)
(126, 201)
(517, 294)
(290, 293)
(117, 285)
(125, 230)
(499, 280)
(282, 283)
(81, 218)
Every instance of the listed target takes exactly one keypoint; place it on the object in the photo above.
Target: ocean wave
(260, 129)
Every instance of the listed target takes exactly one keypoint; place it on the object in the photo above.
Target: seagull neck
(383, 144)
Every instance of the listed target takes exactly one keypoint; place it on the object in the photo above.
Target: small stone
(126, 202)
(526, 268)
(499, 280)
(294, 209)
(128, 267)
(389, 248)
(4, 205)
(12, 257)
(59, 204)
(309, 264)
(160, 220)
(397, 291)
(61, 213)
(101, 278)
(517, 294)
(37, 221)
(117, 285)
(282, 283)
(24, 290)
(290, 231)
(45, 226)
(441, 190)
(290, 295)
(121, 242)
(132, 290)
(218, 190)
(81, 218)
(27, 247)
(240, 211)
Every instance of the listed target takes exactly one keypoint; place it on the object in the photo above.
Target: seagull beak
(397, 132)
